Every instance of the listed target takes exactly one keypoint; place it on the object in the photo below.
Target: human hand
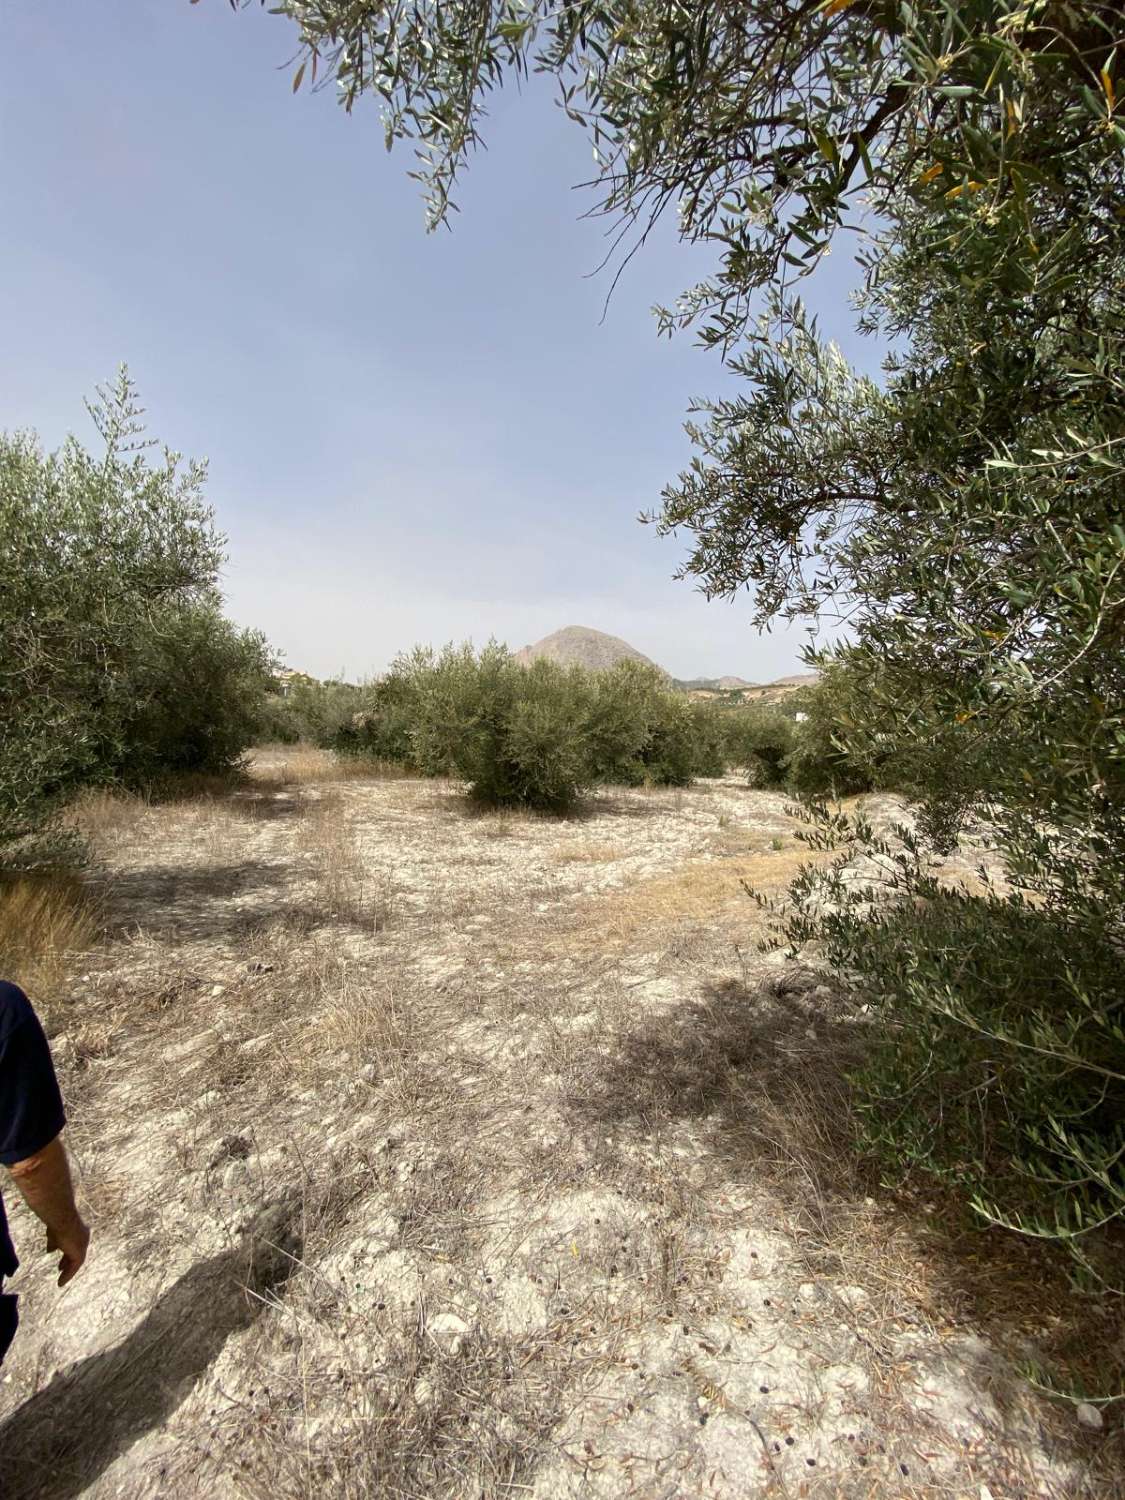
(73, 1242)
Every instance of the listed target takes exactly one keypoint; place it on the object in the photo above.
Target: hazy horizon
(412, 438)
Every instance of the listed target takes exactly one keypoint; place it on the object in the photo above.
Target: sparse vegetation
(506, 1116)
(966, 512)
(507, 1153)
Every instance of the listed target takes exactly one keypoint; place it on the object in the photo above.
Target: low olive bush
(532, 736)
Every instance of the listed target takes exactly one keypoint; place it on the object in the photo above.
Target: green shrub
(760, 738)
(275, 722)
(709, 736)
(998, 1063)
(671, 756)
(625, 704)
(516, 735)
(823, 760)
(118, 665)
(195, 685)
(378, 721)
(322, 712)
(640, 731)
(530, 736)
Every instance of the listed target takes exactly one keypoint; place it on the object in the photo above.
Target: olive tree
(115, 661)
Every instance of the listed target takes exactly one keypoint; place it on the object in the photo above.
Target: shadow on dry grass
(764, 1071)
(765, 1068)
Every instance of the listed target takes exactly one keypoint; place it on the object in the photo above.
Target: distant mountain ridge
(580, 646)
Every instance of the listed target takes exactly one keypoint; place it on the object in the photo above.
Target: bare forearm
(44, 1181)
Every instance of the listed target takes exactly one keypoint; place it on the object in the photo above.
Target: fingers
(74, 1247)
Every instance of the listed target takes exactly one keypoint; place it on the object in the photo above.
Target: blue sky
(411, 437)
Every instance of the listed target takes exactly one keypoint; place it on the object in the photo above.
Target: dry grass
(46, 921)
(107, 817)
(208, 811)
(308, 765)
(588, 853)
(420, 1422)
(557, 1122)
(495, 822)
(352, 1010)
(347, 889)
(709, 892)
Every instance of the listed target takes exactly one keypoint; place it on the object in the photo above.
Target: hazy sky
(411, 437)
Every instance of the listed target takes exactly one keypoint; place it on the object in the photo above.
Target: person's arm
(44, 1181)
(31, 1121)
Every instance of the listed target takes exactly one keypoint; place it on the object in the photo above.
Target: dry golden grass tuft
(309, 765)
(348, 891)
(351, 1010)
(107, 817)
(711, 892)
(46, 920)
(588, 853)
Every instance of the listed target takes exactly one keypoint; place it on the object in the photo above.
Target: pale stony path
(525, 1154)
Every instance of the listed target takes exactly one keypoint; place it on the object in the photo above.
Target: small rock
(423, 1391)
(1090, 1416)
(853, 1296)
(62, 1050)
(367, 1073)
(448, 1328)
(235, 1175)
(217, 990)
(807, 1291)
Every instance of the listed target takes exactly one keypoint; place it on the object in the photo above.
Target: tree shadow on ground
(764, 1067)
(57, 1444)
(220, 901)
(622, 802)
(765, 1070)
(269, 807)
(193, 903)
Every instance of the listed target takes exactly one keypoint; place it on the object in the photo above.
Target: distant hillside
(738, 690)
(771, 691)
(715, 684)
(578, 646)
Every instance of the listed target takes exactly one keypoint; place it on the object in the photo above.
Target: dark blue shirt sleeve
(31, 1109)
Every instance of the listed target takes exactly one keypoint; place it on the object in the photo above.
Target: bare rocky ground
(438, 1153)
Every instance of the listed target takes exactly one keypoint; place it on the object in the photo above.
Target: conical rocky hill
(578, 646)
